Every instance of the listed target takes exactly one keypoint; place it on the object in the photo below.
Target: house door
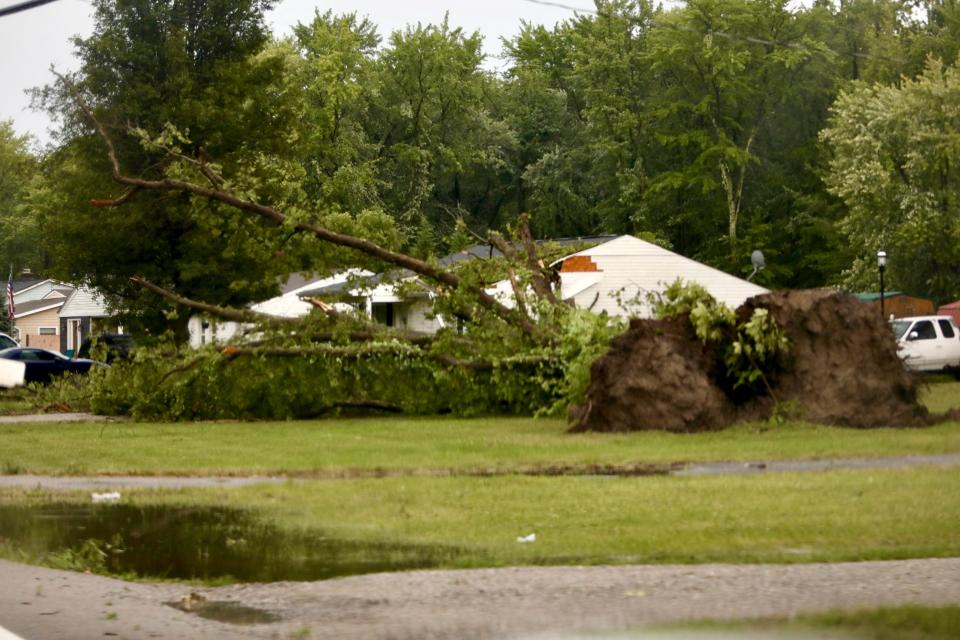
(74, 337)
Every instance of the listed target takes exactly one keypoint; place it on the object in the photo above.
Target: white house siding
(417, 315)
(84, 303)
(624, 276)
(205, 330)
(37, 291)
(627, 269)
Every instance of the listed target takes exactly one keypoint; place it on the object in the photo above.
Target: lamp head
(881, 258)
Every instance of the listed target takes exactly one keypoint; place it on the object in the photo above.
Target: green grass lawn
(435, 445)
(15, 403)
(781, 518)
(888, 623)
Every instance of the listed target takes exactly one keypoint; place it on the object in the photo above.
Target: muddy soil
(842, 368)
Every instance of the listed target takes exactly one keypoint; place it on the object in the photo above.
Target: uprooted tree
(524, 354)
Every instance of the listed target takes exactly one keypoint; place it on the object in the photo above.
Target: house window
(47, 331)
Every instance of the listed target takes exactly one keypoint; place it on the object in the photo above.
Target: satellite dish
(759, 262)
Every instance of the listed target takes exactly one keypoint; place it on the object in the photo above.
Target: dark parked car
(42, 365)
(110, 346)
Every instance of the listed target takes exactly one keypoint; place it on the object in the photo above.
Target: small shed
(951, 309)
(899, 304)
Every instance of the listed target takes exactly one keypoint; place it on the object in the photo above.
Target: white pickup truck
(928, 343)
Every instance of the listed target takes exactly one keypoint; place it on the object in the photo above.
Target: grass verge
(428, 446)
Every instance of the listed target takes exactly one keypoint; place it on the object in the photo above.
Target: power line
(23, 6)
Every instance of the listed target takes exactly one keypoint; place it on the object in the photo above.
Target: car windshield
(7, 343)
(900, 327)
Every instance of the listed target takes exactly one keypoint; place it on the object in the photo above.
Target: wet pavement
(83, 483)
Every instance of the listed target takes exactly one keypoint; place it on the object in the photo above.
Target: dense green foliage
(18, 232)
(697, 126)
(209, 384)
(896, 150)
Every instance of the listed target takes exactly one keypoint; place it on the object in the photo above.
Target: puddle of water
(226, 611)
(203, 543)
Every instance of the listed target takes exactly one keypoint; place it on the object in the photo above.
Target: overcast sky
(33, 40)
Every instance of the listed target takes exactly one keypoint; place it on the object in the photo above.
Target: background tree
(543, 105)
(19, 233)
(200, 67)
(441, 153)
(725, 70)
(337, 74)
(896, 166)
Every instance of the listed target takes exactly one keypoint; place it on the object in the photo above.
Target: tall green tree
(725, 69)
(198, 75)
(19, 235)
(543, 105)
(441, 153)
(337, 74)
(896, 166)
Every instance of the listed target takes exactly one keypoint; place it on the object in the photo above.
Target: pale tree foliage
(18, 232)
(896, 165)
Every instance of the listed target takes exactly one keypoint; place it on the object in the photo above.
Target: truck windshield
(900, 327)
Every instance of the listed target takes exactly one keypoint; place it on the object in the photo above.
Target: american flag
(11, 308)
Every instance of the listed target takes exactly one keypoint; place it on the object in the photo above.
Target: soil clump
(657, 375)
(842, 368)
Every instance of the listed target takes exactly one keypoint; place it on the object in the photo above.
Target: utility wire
(23, 6)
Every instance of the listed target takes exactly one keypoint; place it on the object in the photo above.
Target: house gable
(85, 302)
(628, 269)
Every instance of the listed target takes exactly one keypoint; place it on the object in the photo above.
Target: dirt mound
(657, 375)
(842, 368)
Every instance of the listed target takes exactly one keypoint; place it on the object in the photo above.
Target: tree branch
(518, 295)
(237, 315)
(511, 316)
(246, 315)
(540, 279)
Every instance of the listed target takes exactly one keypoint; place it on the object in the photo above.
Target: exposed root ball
(842, 368)
(657, 375)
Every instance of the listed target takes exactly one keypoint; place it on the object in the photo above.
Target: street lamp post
(882, 266)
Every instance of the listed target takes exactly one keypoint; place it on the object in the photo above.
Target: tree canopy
(697, 127)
